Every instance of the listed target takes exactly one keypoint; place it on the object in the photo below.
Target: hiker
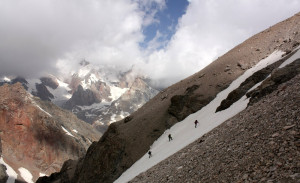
(149, 154)
(170, 137)
(196, 122)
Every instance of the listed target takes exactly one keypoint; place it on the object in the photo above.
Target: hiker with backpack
(170, 137)
(196, 123)
(150, 154)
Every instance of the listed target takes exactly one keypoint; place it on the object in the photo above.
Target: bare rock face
(127, 141)
(42, 92)
(3, 174)
(68, 170)
(277, 77)
(25, 122)
(81, 97)
(248, 84)
(20, 80)
(49, 81)
(183, 105)
(116, 150)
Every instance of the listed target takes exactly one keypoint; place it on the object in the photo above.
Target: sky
(168, 40)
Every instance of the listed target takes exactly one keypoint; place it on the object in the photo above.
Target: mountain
(103, 95)
(98, 95)
(37, 136)
(128, 140)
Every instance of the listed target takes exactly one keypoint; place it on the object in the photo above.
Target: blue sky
(53, 36)
(167, 22)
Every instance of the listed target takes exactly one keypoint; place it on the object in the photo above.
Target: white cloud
(36, 34)
(209, 29)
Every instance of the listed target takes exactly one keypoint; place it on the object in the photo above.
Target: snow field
(117, 92)
(60, 93)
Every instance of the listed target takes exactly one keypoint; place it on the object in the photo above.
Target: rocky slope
(260, 144)
(126, 141)
(38, 136)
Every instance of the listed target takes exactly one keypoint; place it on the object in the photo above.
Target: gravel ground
(260, 144)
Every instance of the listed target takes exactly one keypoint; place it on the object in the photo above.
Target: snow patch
(6, 79)
(89, 115)
(291, 59)
(75, 131)
(67, 132)
(113, 119)
(43, 110)
(83, 71)
(10, 172)
(116, 92)
(98, 122)
(42, 174)
(34, 103)
(124, 114)
(61, 93)
(93, 79)
(185, 133)
(96, 106)
(26, 175)
(89, 81)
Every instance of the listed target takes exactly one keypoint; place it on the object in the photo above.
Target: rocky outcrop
(20, 80)
(183, 105)
(81, 97)
(131, 140)
(42, 92)
(3, 174)
(66, 173)
(255, 78)
(108, 155)
(258, 77)
(277, 77)
(74, 83)
(52, 134)
(49, 81)
(260, 144)
(101, 90)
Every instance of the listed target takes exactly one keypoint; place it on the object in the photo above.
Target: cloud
(36, 34)
(38, 37)
(209, 29)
